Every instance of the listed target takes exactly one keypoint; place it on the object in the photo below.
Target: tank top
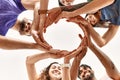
(9, 11)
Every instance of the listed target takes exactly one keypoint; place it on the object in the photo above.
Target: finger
(57, 19)
(71, 19)
(49, 11)
(45, 46)
(80, 36)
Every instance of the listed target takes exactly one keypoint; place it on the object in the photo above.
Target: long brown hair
(45, 73)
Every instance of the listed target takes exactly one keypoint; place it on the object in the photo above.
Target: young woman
(98, 11)
(54, 71)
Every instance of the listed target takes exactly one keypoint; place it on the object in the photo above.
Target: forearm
(36, 19)
(37, 57)
(107, 36)
(93, 6)
(74, 69)
(30, 64)
(66, 71)
(73, 7)
(8, 43)
(43, 12)
(106, 62)
(99, 40)
(110, 33)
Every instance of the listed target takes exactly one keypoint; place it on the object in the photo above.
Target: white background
(62, 35)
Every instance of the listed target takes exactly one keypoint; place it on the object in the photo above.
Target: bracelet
(65, 65)
(42, 11)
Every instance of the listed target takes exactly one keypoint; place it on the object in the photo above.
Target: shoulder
(29, 4)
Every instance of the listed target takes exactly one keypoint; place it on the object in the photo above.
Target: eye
(59, 68)
(89, 71)
(53, 67)
(28, 23)
(80, 71)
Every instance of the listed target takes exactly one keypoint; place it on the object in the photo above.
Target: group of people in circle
(99, 13)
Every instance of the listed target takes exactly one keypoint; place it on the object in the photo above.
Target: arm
(100, 40)
(91, 7)
(76, 62)
(55, 12)
(10, 44)
(29, 4)
(77, 59)
(77, 54)
(107, 63)
(31, 60)
(43, 12)
(30, 64)
(107, 36)
(35, 27)
(66, 70)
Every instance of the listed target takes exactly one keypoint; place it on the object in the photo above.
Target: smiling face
(86, 73)
(25, 27)
(55, 71)
(93, 19)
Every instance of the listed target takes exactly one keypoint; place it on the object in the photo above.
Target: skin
(77, 60)
(28, 4)
(56, 54)
(91, 7)
(86, 73)
(67, 2)
(43, 16)
(100, 40)
(106, 37)
(104, 59)
(106, 62)
(54, 73)
(31, 60)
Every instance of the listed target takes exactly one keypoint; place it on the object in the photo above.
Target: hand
(80, 21)
(35, 35)
(64, 14)
(52, 15)
(55, 53)
(82, 53)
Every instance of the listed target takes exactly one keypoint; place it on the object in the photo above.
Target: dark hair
(45, 74)
(84, 66)
(102, 24)
(22, 25)
(60, 4)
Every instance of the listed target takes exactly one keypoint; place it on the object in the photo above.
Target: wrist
(66, 60)
(68, 65)
(42, 11)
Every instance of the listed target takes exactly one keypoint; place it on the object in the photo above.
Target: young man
(9, 19)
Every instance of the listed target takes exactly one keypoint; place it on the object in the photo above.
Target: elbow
(28, 61)
(102, 44)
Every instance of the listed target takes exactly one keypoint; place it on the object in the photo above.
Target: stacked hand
(40, 41)
(52, 15)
